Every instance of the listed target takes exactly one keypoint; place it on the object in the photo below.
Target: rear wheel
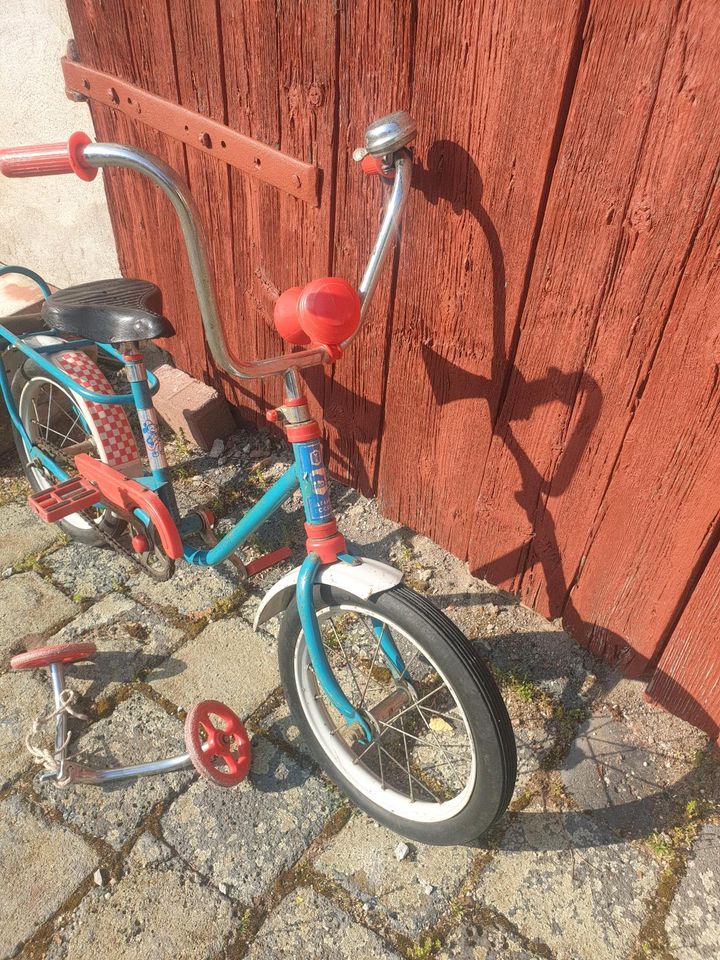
(57, 419)
(441, 766)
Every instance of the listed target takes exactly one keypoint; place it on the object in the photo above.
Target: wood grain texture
(485, 149)
(374, 66)
(611, 252)
(686, 680)
(661, 509)
(128, 39)
(280, 73)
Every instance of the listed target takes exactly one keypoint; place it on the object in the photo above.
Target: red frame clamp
(324, 540)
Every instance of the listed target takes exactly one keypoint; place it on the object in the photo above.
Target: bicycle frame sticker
(313, 481)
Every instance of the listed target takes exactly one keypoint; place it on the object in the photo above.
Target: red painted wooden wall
(538, 387)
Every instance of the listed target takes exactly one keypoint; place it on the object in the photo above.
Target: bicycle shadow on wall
(610, 816)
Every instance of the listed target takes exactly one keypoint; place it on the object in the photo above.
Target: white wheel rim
(27, 396)
(340, 754)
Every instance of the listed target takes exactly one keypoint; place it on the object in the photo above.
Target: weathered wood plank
(134, 42)
(201, 87)
(641, 252)
(686, 681)
(374, 69)
(484, 151)
(550, 415)
(661, 508)
(280, 75)
(610, 256)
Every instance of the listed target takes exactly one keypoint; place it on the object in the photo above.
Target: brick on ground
(129, 638)
(245, 837)
(693, 921)
(565, 881)
(136, 731)
(22, 534)
(23, 696)
(192, 408)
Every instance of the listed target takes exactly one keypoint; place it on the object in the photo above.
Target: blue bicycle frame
(307, 473)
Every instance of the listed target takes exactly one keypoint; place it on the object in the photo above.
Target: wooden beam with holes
(301, 180)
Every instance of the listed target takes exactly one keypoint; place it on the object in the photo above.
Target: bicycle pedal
(268, 560)
(63, 499)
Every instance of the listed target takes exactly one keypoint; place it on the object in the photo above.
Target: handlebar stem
(117, 155)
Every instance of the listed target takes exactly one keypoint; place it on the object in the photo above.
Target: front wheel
(441, 766)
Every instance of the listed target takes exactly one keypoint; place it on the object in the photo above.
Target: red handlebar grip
(48, 159)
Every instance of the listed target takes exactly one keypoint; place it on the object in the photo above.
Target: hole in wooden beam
(257, 161)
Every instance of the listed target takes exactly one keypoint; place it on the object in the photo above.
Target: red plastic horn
(325, 311)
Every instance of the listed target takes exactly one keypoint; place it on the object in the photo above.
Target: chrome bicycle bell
(389, 133)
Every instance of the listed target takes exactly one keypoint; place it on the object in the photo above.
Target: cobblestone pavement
(611, 849)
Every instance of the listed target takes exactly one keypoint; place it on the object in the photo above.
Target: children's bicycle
(391, 698)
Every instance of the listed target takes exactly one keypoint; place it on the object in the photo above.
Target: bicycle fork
(324, 545)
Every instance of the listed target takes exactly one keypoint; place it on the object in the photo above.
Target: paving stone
(533, 741)
(129, 638)
(137, 731)
(158, 911)
(30, 605)
(521, 642)
(409, 894)
(89, 572)
(631, 767)
(45, 864)
(227, 661)
(244, 837)
(305, 924)
(565, 881)
(191, 592)
(22, 697)
(478, 942)
(281, 725)
(693, 922)
(22, 534)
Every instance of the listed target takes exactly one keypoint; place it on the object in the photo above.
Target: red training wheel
(217, 743)
(59, 653)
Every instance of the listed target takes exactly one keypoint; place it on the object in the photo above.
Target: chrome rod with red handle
(386, 139)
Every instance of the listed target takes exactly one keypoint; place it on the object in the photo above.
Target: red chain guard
(118, 491)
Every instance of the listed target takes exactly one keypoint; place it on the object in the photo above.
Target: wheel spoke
(398, 764)
(407, 763)
(49, 412)
(372, 665)
(347, 659)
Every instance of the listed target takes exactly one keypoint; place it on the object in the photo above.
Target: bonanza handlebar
(82, 157)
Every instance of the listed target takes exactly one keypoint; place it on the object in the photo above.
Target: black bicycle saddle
(108, 311)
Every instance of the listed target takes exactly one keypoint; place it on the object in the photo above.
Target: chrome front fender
(363, 578)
